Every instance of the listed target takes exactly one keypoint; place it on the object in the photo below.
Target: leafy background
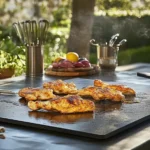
(130, 18)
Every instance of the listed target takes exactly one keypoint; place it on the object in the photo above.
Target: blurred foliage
(111, 4)
(58, 34)
(58, 13)
(130, 56)
(12, 56)
(135, 30)
(120, 8)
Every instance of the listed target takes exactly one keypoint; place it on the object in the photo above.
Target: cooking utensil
(113, 39)
(34, 30)
(28, 31)
(22, 24)
(33, 35)
(144, 74)
(17, 29)
(122, 42)
(7, 92)
(5, 82)
(31, 32)
(43, 28)
(107, 56)
(93, 42)
(22, 32)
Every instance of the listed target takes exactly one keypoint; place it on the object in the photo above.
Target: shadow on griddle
(107, 106)
(62, 118)
(23, 101)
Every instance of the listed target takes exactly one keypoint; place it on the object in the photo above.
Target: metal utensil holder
(107, 57)
(33, 35)
(34, 61)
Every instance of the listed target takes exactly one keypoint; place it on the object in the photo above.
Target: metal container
(33, 35)
(34, 61)
(107, 56)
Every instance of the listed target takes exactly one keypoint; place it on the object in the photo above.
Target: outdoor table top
(22, 138)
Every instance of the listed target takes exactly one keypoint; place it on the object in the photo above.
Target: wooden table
(22, 138)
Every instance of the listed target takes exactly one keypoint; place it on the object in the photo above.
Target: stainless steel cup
(107, 57)
(34, 61)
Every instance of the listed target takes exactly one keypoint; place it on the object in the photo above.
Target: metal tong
(113, 40)
(7, 92)
(122, 42)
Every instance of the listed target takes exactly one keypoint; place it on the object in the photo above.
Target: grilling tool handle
(144, 74)
(6, 92)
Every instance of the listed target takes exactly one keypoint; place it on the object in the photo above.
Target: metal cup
(34, 61)
(107, 57)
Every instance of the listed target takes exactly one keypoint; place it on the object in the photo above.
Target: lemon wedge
(58, 59)
(72, 56)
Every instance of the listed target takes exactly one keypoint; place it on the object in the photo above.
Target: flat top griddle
(109, 118)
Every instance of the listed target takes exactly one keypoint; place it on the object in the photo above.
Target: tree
(81, 27)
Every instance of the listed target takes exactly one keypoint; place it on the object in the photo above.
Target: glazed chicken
(124, 89)
(101, 93)
(36, 94)
(66, 104)
(61, 87)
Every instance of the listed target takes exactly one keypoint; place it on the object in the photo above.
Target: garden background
(98, 19)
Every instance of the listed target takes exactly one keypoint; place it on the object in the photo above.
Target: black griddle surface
(108, 119)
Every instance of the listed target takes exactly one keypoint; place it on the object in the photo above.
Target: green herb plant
(12, 56)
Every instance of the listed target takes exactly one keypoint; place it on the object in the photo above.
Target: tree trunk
(81, 27)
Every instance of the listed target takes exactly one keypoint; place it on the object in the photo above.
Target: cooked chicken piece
(28, 90)
(101, 93)
(66, 104)
(61, 87)
(124, 89)
(36, 94)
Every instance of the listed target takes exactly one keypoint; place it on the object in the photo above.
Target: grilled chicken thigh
(36, 93)
(66, 104)
(124, 89)
(61, 87)
(101, 93)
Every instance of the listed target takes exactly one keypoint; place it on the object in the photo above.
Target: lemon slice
(58, 59)
(72, 56)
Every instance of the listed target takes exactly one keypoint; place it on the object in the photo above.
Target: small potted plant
(12, 59)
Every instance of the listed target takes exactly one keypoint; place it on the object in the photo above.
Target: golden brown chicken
(101, 93)
(36, 94)
(61, 87)
(124, 89)
(66, 104)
